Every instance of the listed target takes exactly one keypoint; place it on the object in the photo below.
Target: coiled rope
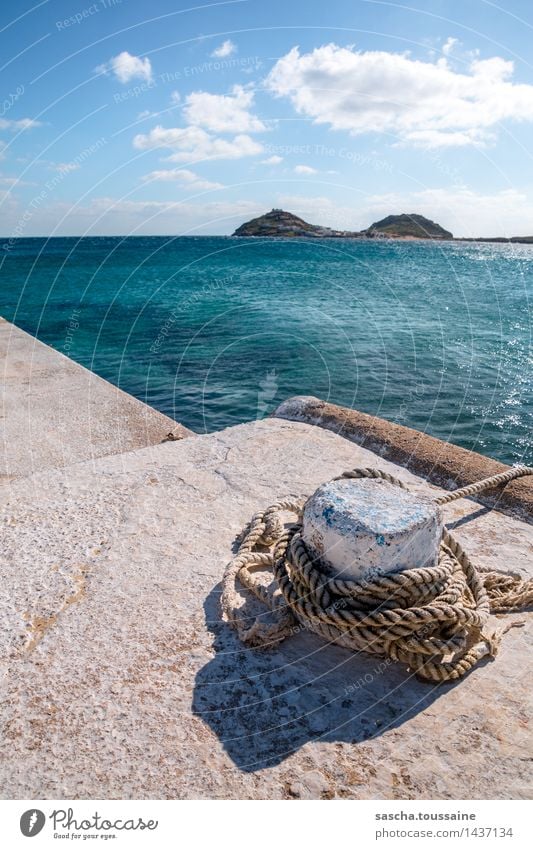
(432, 619)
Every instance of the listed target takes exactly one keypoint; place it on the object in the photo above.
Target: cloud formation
(425, 104)
(126, 67)
(188, 179)
(207, 115)
(227, 48)
(223, 113)
(449, 46)
(194, 144)
(22, 124)
(305, 169)
(66, 167)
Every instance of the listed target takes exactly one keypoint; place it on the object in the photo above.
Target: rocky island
(282, 224)
(278, 222)
(407, 226)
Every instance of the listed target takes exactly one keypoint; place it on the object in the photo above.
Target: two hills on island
(406, 226)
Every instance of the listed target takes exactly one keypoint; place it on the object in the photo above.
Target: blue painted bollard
(364, 527)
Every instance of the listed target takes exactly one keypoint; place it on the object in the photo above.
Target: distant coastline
(406, 226)
(512, 240)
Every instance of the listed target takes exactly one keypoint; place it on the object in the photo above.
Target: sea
(215, 331)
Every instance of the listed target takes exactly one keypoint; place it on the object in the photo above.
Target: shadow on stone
(265, 705)
(464, 520)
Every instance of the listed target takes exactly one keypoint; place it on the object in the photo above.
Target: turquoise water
(216, 331)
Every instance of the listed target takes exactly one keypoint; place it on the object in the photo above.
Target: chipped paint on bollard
(366, 527)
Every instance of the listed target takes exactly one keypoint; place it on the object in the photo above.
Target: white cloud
(305, 169)
(126, 67)
(227, 48)
(15, 182)
(223, 113)
(13, 126)
(182, 175)
(272, 160)
(66, 167)
(449, 45)
(175, 97)
(436, 138)
(423, 103)
(7, 201)
(194, 143)
(22, 124)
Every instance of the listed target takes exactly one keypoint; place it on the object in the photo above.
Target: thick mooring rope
(432, 619)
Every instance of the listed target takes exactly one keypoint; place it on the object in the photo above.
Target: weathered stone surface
(118, 678)
(364, 528)
(53, 412)
(442, 463)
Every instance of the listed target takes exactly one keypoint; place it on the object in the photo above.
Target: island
(407, 226)
(277, 222)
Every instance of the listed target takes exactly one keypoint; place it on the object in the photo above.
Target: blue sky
(164, 117)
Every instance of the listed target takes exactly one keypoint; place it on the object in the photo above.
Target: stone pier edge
(440, 463)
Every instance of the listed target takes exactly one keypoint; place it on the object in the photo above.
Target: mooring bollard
(362, 528)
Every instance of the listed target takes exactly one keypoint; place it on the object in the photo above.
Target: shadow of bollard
(264, 705)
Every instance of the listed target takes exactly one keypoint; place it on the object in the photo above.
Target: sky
(122, 117)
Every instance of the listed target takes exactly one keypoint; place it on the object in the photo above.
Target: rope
(432, 619)
(487, 483)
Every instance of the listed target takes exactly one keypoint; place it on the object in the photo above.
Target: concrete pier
(54, 412)
(119, 679)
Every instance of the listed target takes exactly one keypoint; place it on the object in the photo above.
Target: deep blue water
(216, 331)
